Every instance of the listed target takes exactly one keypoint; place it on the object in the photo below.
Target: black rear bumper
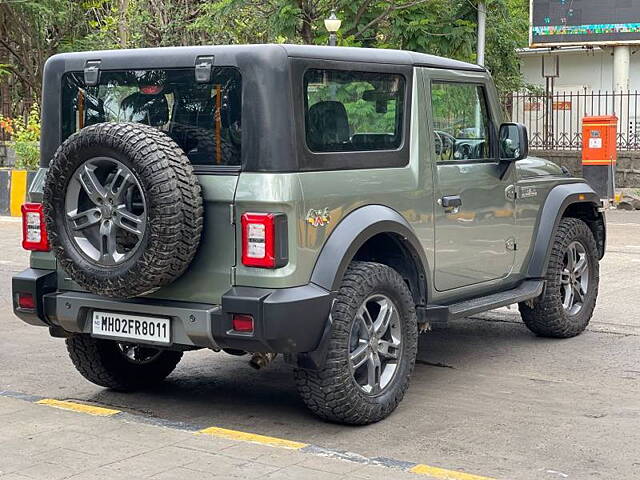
(290, 320)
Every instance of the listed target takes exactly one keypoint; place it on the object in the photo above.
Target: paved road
(487, 396)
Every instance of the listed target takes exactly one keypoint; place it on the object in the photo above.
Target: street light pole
(332, 24)
(482, 31)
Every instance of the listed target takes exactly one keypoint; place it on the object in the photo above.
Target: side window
(349, 111)
(461, 122)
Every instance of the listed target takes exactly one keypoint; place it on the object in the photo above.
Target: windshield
(203, 119)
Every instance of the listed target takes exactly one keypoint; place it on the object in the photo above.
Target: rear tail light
(242, 323)
(264, 240)
(34, 230)
(26, 301)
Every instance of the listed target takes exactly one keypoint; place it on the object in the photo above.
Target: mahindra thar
(326, 204)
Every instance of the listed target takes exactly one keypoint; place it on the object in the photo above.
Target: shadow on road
(210, 388)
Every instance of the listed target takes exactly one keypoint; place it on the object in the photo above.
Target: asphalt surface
(487, 396)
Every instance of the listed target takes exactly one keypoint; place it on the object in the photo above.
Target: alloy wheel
(105, 211)
(138, 354)
(375, 344)
(574, 278)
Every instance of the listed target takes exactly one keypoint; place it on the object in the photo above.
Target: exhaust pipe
(260, 359)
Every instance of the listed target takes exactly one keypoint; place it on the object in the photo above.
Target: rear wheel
(121, 366)
(565, 308)
(372, 349)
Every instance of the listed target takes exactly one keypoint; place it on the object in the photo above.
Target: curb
(418, 469)
(14, 185)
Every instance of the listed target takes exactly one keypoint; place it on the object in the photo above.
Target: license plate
(131, 327)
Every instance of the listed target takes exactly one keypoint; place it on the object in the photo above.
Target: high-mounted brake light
(34, 230)
(264, 240)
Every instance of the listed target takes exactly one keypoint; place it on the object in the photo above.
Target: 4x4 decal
(318, 218)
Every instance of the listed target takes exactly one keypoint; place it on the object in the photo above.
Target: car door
(473, 191)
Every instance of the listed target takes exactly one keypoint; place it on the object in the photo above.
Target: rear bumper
(290, 320)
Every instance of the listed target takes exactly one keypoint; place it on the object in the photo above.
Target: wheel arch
(379, 234)
(576, 200)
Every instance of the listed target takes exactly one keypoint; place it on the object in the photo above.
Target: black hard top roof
(181, 56)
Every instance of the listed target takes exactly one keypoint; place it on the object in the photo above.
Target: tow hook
(261, 359)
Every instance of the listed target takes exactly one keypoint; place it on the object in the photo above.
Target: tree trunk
(123, 35)
(306, 32)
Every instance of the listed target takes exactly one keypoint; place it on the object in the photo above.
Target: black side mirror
(514, 142)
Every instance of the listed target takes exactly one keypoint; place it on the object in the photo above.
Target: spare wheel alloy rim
(105, 211)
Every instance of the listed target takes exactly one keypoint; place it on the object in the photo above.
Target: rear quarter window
(203, 119)
(350, 111)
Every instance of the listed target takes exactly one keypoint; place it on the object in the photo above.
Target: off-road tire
(332, 392)
(545, 315)
(100, 362)
(174, 208)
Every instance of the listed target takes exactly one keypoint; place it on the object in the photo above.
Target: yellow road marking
(252, 437)
(445, 474)
(78, 407)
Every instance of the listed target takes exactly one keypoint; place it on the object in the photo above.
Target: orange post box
(600, 153)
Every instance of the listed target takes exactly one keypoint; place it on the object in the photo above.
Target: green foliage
(36, 29)
(25, 138)
(362, 114)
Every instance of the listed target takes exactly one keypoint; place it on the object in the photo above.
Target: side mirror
(514, 142)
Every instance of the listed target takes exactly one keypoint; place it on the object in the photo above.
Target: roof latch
(204, 68)
(92, 73)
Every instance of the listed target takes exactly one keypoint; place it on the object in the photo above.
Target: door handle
(451, 202)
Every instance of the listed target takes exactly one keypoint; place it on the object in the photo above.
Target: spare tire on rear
(123, 209)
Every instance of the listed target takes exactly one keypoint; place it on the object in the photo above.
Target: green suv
(326, 204)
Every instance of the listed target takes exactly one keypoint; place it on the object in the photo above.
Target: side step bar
(439, 315)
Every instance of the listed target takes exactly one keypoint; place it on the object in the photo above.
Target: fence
(555, 121)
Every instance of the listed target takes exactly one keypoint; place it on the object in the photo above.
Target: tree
(32, 30)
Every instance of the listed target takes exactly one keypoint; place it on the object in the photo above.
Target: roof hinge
(204, 68)
(92, 72)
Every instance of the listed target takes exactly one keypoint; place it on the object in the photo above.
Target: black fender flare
(352, 233)
(339, 250)
(555, 206)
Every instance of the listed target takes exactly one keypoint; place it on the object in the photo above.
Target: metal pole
(621, 61)
(482, 30)
(333, 40)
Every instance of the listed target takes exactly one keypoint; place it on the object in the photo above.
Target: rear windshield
(353, 111)
(203, 119)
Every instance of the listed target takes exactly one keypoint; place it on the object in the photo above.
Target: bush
(25, 138)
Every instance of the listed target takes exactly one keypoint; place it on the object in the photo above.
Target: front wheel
(121, 366)
(565, 308)
(372, 349)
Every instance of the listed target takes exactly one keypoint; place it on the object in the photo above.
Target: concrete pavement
(487, 396)
(39, 442)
